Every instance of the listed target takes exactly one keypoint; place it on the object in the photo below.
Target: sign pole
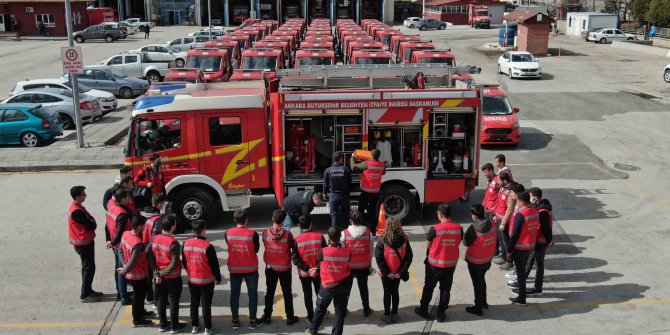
(73, 78)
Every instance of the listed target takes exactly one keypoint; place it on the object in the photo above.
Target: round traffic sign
(71, 54)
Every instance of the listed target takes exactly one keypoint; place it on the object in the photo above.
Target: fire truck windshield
(181, 80)
(205, 63)
(438, 60)
(267, 63)
(373, 60)
(315, 61)
(496, 106)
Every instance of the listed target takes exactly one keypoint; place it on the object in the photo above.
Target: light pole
(423, 10)
(73, 78)
(209, 17)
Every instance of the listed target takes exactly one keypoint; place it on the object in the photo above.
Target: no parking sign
(72, 59)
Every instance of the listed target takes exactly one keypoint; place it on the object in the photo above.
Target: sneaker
(96, 294)
(441, 316)
(148, 314)
(506, 267)
(255, 323)
(474, 310)
(499, 261)
(143, 323)
(90, 299)
(267, 319)
(178, 328)
(394, 317)
(511, 276)
(422, 313)
(164, 328)
(517, 301)
(309, 332)
(195, 330)
(210, 331)
(292, 320)
(513, 286)
(534, 292)
(367, 312)
(387, 318)
(236, 324)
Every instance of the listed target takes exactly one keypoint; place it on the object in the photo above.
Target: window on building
(49, 20)
(583, 24)
(444, 10)
(464, 9)
(570, 22)
(225, 131)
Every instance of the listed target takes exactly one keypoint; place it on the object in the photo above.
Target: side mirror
(515, 110)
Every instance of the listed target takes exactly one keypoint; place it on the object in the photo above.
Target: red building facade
(50, 12)
(456, 11)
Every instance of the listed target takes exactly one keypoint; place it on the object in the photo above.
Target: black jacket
(396, 243)
(545, 219)
(299, 204)
(336, 179)
(483, 227)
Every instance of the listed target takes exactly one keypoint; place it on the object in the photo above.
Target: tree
(620, 7)
(659, 13)
(639, 9)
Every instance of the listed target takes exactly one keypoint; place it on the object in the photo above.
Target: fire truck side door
(225, 138)
(166, 136)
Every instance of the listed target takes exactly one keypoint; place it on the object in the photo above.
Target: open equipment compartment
(451, 142)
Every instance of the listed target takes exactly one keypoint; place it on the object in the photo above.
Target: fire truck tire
(398, 202)
(196, 204)
(179, 62)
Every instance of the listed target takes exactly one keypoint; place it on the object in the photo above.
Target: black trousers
(339, 295)
(537, 257)
(391, 295)
(139, 290)
(503, 237)
(284, 279)
(87, 255)
(367, 205)
(307, 284)
(520, 259)
(201, 294)
(152, 291)
(490, 216)
(169, 288)
(361, 276)
(478, 276)
(339, 210)
(436, 275)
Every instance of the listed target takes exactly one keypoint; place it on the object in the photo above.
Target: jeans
(520, 259)
(391, 295)
(339, 210)
(503, 237)
(199, 294)
(87, 255)
(289, 222)
(307, 284)
(169, 288)
(537, 257)
(367, 205)
(139, 289)
(436, 275)
(284, 278)
(361, 276)
(121, 285)
(339, 295)
(478, 276)
(251, 279)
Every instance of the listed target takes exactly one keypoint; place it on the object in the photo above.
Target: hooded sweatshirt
(396, 243)
(481, 226)
(545, 219)
(147, 213)
(357, 231)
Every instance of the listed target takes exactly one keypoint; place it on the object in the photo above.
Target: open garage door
(238, 11)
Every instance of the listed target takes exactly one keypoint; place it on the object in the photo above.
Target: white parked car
(606, 35)
(411, 22)
(519, 64)
(162, 53)
(61, 102)
(139, 24)
(666, 74)
(107, 100)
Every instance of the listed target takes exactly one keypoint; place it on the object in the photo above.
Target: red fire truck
(371, 57)
(234, 140)
(214, 63)
(305, 57)
(478, 16)
(100, 15)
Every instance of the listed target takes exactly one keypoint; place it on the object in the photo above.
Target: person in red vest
(243, 245)
(490, 199)
(480, 242)
(371, 183)
(308, 245)
(151, 177)
(512, 211)
(358, 239)
(500, 162)
(81, 228)
(522, 243)
(333, 268)
(279, 245)
(443, 239)
(125, 184)
(394, 256)
(118, 222)
(152, 228)
(503, 210)
(135, 269)
(203, 272)
(167, 274)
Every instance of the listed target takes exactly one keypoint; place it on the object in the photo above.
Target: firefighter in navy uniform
(480, 242)
(81, 228)
(336, 181)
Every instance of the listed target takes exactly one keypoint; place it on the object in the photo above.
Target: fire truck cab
(317, 45)
(478, 16)
(396, 39)
(384, 36)
(233, 48)
(371, 57)
(406, 48)
(268, 60)
(279, 45)
(433, 56)
(359, 45)
(304, 57)
(214, 63)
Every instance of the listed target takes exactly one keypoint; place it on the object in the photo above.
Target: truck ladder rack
(365, 76)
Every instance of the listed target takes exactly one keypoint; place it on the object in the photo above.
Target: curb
(112, 140)
(48, 168)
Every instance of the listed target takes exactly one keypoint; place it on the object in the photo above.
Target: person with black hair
(167, 274)
(151, 178)
(333, 268)
(81, 229)
(480, 242)
(336, 181)
(358, 239)
(109, 193)
(500, 162)
(300, 204)
(503, 211)
(119, 218)
(278, 246)
(394, 257)
(522, 243)
(308, 245)
(135, 269)
(544, 239)
(442, 252)
(202, 269)
(371, 182)
(152, 228)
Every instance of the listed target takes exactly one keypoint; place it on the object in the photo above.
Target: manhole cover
(626, 167)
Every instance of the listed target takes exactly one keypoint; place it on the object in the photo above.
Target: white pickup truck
(138, 65)
(138, 24)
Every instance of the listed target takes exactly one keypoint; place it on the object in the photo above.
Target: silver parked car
(425, 24)
(610, 34)
(411, 22)
(104, 78)
(107, 100)
(62, 102)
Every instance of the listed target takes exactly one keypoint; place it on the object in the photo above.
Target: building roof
(463, 3)
(592, 14)
(523, 16)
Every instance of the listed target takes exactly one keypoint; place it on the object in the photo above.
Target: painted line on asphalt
(127, 317)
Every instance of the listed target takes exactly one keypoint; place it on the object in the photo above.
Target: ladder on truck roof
(368, 76)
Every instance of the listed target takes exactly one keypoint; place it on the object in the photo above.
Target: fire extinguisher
(417, 154)
(466, 161)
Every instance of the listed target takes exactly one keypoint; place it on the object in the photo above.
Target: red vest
(160, 247)
(491, 195)
(482, 250)
(360, 249)
(148, 229)
(309, 244)
(198, 270)
(540, 237)
(141, 267)
(531, 222)
(78, 235)
(443, 251)
(334, 266)
(156, 179)
(392, 259)
(501, 203)
(511, 221)
(277, 254)
(242, 256)
(507, 169)
(371, 178)
(112, 213)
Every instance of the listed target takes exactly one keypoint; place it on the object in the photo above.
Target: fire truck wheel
(196, 204)
(398, 201)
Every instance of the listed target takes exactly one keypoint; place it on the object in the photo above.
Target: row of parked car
(111, 31)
